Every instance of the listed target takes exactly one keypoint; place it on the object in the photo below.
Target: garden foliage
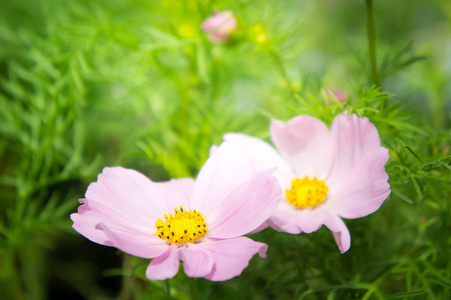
(86, 84)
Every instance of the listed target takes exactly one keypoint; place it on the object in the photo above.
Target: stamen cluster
(182, 227)
(307, 192)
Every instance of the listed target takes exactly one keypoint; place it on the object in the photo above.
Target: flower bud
(334, 93)
(220, 26)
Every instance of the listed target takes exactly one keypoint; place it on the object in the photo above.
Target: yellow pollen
(307, 192)
(181, 228)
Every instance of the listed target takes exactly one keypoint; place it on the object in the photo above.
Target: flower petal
(288, 218)
(263, 226)
(197, 262)
(245, 208)
(231, 256)
(103, 230)
(264, 156)
(278, 221)
(131, 199)
(85, 222)
(226, 169)
(295, 221)
(132, 242)
(164, 266)
(363, 190)
(181, 188)
(305, 143)
(353, 138)
(340, 231)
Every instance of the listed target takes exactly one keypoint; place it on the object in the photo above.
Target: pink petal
(340, 232)
(363, 190)
(288, 218)
(305, 143)
(212, 150)
(197, 262)
(263, 226)
(264, 156)
(278, 223)
(294, 221)
(183, 188)
(285, 218)
(231, 256)
(85, 222)
(133, 242)
(310, 220)
(131, 199)
(225, 170)
(245, 208)
(353, 138)
(164, 266)
(103, 230)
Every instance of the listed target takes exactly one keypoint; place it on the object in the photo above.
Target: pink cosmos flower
(199, 222)
(326, 175)
(220, 26)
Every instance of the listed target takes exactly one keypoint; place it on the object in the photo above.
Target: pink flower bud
(333, 93)
(220, 26)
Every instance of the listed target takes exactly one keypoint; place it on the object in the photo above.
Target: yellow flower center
(307, 192)
(181, 228)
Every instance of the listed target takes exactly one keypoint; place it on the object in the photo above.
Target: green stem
(168, 289)
(372, 42)
(193, 288)
(127, 281)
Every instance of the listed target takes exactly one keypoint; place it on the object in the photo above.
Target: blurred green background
(86, 84)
